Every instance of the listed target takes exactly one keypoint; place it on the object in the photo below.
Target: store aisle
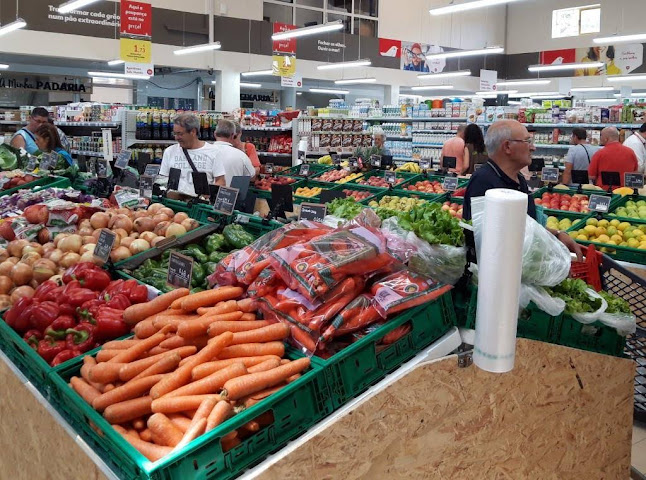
(639, 447)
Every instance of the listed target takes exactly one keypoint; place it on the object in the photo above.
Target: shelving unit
(86, 153)
(281, 159)
(575, 125)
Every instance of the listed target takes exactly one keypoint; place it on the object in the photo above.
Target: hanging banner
(283, 65)
(390, 48)
(136, 18)
(488, 80)
(287, 45)
(295, 82)
(139, 69)
(617, 60)
(136, 51)
(413, 58)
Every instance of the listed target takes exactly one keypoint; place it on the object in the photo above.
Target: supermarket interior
(239, 238)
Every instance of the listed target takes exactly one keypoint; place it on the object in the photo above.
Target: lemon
(617, 239)
(590, 229)
(592, 221)
(611, 242)
(552, 219)
(628, 234)
(582, 237)
(633, 242)
(623, 244)
(600, 231)
(615, 222)
(603, 238)
(637, 233)
(603, 223)
(611, 230)
(623, 226)
(642, 246)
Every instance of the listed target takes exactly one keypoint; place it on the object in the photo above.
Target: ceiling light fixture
(432, 87)
(592, 89)
(547, 97)
(639, 37)
(299, 93)
(459, 73)
(466, 53)
(518, 83)
(498, 92)
(634, 95)
(314, 29)
(533, 94)
(626, 78)
(72, 5)
(564, 66)
(118, 75)
(15, 25)
(198, 48)
(250, 85)
(352, 81)
(3, 66)
(257, 73)
(116, 62)
(600, 100)
(467, 6)
(352, 64)
(329, 90)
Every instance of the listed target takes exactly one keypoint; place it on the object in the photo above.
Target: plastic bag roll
(500, 269)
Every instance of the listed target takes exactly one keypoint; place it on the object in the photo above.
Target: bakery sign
(16, 81)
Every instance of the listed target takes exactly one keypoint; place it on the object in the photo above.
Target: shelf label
(48, 161)
(108, 154)
(550, 175)
(269, 168)
(375, 160)
(336, 158)
(180, 270)
(353, 162)
(102, 168)
(173, 178)
(450, 184)
(152, 170)
(390, 177)
(312, 211)
(127, 198)
(31, 164)
(327, 196)
(305, 169)
(123, 159)
(146, 186)
(225, 200)
(634, 180)
(425, 163)
(104, 244)
(478, 166)
(599, 203)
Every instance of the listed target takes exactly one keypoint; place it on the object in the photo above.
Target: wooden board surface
(560, 414)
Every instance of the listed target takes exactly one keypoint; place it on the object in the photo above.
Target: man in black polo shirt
(510, 148)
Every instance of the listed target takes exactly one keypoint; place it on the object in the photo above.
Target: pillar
(227, 91)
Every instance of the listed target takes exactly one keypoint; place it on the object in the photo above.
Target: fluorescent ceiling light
(533, 94)
(356, 63)
(198, 48)
(72, 5)
(214, 82)
(514, 102)
(626, 78)
(410, 95)
(459, 73)
(433, 87)
(299, 93)
(314, 29)
(329, 90)
(639, 37)
(118, 75)
(466, 53)
(257, 73)
(116, 62)
(3, 66)
(638, 95)
(600, 100)
(15, 25)
(467, 6)
(498, 92)
(592, 89)
(351, 81)
(546, 97)
(564, 66)
(250, 85)
(518, 83)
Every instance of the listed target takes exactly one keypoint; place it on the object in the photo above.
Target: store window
(276, 13)
(307, 18)
(339, 6)
(365, 27)
(346, 19)
(311, 3)
(366, 7)
(572, 22)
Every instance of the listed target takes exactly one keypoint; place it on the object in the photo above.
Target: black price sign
(102, 168)
(91, 166)
(327, 196)
(48, 161)
(225, 200)
(200, 183)
(375, 160)
(425, 164)
(550, 175)
(449, 162)
(180, 270)
(353, 162)
(146, 186)
(152, 170)
(269, 168)
(104, 244)
(580, 177)
(450, 184)
(123, 159)
(312, 211)
(478, 166)
(599, 203)
(390, 177)
(173, 178)
(31, 163)
(305, 169)
(336, 159)
(634, 180)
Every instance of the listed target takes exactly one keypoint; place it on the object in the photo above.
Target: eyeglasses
(528, 141)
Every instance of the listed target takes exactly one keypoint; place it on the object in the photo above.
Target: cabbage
(8, 158)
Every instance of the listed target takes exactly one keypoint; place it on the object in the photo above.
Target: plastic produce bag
(587, 318)
(546, 261)
(624, 323)
(542, 299)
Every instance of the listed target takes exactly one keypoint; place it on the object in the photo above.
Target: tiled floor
(639, 447)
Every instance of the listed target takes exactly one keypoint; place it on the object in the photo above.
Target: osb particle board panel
(560, 414)
(33, 445)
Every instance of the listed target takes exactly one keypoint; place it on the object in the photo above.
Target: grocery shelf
(152, 142)
(267, 129)
(430, 145)
(550, 145)
(573, 125)
(330, 132)
(12, 122)
(273, 154)
(59, 123)
(395, 119)
(87, 153)
(399, 137)
(434, 131)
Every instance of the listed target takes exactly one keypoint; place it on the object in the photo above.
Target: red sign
(136, 18)
(284, 46)
(390, 48)
(558, 56)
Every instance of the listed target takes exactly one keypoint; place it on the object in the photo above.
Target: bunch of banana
(326, 160)
(411, 167)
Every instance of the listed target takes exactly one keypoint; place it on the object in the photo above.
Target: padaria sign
(45, 83)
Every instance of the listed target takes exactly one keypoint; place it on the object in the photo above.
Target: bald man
(613, 157)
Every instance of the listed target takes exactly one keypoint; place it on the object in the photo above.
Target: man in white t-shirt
(186, 130)
(234, 162)
(637, 143)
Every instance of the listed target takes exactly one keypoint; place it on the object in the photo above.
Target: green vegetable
(236, 236)
(217, 256)
(615, 304)
(196, 252)
(209, 267)
(347, 208)
(215, 243)
(384, 213)
(8, 158)
(573, 292)
(432, 224)
(198, 275)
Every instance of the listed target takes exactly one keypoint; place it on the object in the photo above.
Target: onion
(85, 231)
(154, 208)
(148, 236)
(43, 270)
(119, 253)
(121, 221)
(124, 211)
(57, 279)
(44, 236)
(141, 213)
(160, 217)
(70, 259)
(3, 254)
(30, 258)
(6, 284)
(37, 214)
(71, 244)
(85, 223)
(190, 224)
(88, 257)
(99, 220)
(55, 256)
(15, 247)
(5, 302)
(126, 242)
(96, 234)
(22, 274)
(144, 224)
(6, 267)
(48, 247)
(13, 260)
(160, 228)
(175, 229)
(87, 248)
(60, 237)
(6, 231)
(139, 246)
(34, 284)
(120, 232)
(180, 217)
(156, 240)
(167, 211)
(134, 235)
(89, 239)
(20, 292)
(34, 247)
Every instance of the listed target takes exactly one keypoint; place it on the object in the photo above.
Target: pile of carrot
(195, 360)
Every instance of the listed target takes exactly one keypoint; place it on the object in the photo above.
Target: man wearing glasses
(415, 59)
(510, 148)
(24, 138)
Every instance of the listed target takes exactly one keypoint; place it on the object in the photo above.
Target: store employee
(25, 137)
(510, 148)
(203, 157)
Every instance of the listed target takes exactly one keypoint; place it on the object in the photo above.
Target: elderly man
(25, 138)
(510, 148)
(379, 139)
(234, 162)
(613, 157)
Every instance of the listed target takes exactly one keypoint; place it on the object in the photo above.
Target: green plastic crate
(204, 213)
(257, 226)
(595, 337)
(175, 205)
(620, 203)
(362, 364)
(439, 178)
(406, 194)
(295, 408)
(406, 177)
(39, 184)
(315, 169)
(313, 183)
(267, 193)
(374, 191)
(550, 212)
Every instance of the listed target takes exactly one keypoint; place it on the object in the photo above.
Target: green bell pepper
(236, 236)
(196, 252)
(215, 242)
(216, 257)
(198, 275)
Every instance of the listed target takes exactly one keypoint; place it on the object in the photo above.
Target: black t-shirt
(491, 176)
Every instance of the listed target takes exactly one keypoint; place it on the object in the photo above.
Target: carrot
(182, 375)
(248, 317)
(105, 355)
(210, 384)
(251, 426)
(209, 297)
(174, 342)
(134, 352)
(164, 365)
(206, 369)
(180, 404)
(119, 344)
(231, 435)
(145, 329)
(138, 424)
(254, 398)
(157, 350)
(252, 350)
(270, 333)
(230, 444)
(88, 363)
(217, 328)
(105, 372)
(136, 313)
(191, 434)
(133, 389)
(180, 421)
(203, 411)
(128, 410)
(174, 320)
(149, 450)
(221, 307)
(247, 305)
(146, 435)
(163, 430)
(132, 432)
(218, 415)
(246, 385)
(199, 326)
(108, 387)
(293, 378)
(130, 370)
(84, 389)
(120, 429)
(177, 304)
(264, 366)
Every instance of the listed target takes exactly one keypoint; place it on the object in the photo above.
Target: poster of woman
(617, 60)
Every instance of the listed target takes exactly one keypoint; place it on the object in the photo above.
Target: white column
(391, 95)
(288, 98)
(227, 91)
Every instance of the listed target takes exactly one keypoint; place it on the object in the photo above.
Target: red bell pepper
(81, 337)
(44, 290)
(49, 348)
(58, 328)
(79, 296)
(138, 294)
(32, 337)
(43, 314)
(15, 318)
(89, 310)
(67, 291)
(89, 275)
(110, 324)
(64, 356)
(119, 301)
(67, 309)
(112, 288)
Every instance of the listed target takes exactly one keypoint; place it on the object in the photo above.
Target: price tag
(336, 159)
(327, 196)
(375, 160)
(390, 177)
(180, 270)
(312, 211)
(634, 180)
(104, 244)
(269, 168)
(580, 177)
(127, 198)
(550, 175)
(599, 203)
(152, 170)
(449, 162)
(31, 164)
(123, 159)
(102, 168)
(91, 166)
(200, 183)
(173, 178)
(108, 154)
(305, 169)
(478, 166)
(225, 200)
(353, 162)
(425, 164)
(450, 184)
(146, 186)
